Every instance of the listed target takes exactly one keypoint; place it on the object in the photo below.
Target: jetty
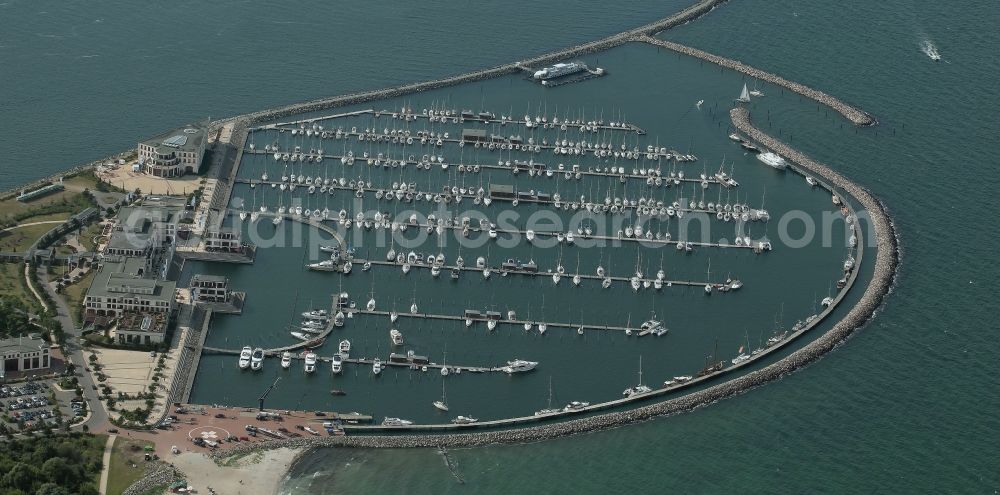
(521, 271)
(855, 115)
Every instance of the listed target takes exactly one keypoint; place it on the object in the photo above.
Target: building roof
(189, 138)
(141, 218)
(142, 322)
(208, 278)
(116, 278)
(129, 240)
(29, 343)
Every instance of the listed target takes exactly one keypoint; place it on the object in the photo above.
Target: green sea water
(907, 405)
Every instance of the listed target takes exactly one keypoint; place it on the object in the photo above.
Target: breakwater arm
(855, 115)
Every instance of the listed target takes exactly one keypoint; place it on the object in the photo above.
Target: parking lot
(27, 406)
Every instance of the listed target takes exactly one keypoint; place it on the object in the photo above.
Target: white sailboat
(744, 95)
(442, 405)
(639, 389)
(548, 409)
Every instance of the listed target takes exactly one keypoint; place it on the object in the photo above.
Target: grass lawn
(127, 464)
(21, 238)
(74, 186)
(88, 236)
(75, 293)
(11, 286)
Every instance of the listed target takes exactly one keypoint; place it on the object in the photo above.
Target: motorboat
(519, 366)
(337, 365)
(654, 327)
(345, 348)
(310, 364)
(636, 390)
(316, 314)
(396, 336)
(286, 360)
(396, 422)
(377, 366)
(245, 355)
(257, 359)
(464, 420)
(575, 406)
(773, 160)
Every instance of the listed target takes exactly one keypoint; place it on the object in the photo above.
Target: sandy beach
(258, 473)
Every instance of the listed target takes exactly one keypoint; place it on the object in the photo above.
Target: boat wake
(927, 46)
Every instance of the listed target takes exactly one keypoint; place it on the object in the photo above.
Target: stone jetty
(855, 115)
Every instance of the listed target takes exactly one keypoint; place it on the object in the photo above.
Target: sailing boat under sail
(744, 95)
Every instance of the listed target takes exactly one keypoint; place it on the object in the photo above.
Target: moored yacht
(286, 360)
(257, 359)
(464, 420)
(337, 364)
(310, 363)
(396, 336)
(345, 348)
(773, 160)
(245, 357)
(396, 422)
(316, 314)
(519, 366)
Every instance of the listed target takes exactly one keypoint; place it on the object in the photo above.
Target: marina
(351, 188)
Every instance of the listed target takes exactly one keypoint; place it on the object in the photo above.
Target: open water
(907, 405)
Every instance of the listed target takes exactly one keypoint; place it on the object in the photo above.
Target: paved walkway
(106, 462)
(27, 278)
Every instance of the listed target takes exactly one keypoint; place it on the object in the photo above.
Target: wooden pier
(318, 222)
(520, 323)
(504, 145)
(454, 117)
(501, 272)
(567, 173)
(533, 200)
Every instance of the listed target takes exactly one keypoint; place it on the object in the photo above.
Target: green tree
(51, 489)
(57, 469)
(20, 476)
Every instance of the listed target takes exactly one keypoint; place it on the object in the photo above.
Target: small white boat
(773, 160)
(396, 422)
(316, 314)
(345, 348)
(575, 406)
(245, 357)
(377, 366)
(257, 359)
(396, 337)
(286, 360)
(337, 365)
(310, 363)
(464, 420)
